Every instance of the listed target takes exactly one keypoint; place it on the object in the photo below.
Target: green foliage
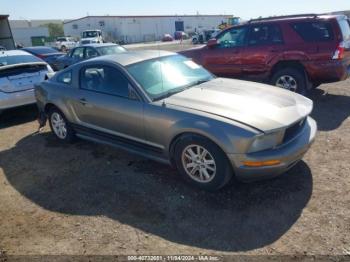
(55, 30)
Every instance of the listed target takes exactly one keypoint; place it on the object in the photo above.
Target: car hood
(260, 106)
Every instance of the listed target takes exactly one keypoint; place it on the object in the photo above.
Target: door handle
(83, 101)
(273, 50)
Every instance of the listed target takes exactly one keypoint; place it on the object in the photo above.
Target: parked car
(293, 52)
(19, 71)
(203, 37)
(165, 107)
(48, 54)
(167, 38)
(81, 53)
(65, 43)
(180, 35)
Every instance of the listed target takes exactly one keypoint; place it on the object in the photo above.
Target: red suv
(294, 52)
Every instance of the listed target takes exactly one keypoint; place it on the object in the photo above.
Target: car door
(264, 46)
(225, 58)
(108, 103)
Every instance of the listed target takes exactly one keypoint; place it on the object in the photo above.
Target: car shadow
(330, 111)
(18, 116)
(88, 180)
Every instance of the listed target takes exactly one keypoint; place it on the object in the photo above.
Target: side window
(104, 79)
(90, 52)
(65, 78)
(265, 34)
(78, 53)
(235, 37)
(314, 31)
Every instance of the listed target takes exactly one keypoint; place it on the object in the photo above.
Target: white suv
(65, 43)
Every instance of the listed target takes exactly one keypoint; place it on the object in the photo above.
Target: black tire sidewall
(70, 132)
(223, 169)
(297, 74)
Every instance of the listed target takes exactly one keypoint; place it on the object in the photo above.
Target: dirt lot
(91, 199)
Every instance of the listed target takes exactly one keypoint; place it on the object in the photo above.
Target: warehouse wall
(140, 29)
(23, 35)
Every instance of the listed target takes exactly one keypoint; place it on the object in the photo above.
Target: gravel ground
(86, 198)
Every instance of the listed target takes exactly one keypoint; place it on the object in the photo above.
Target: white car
(19, 72)
(65, 43)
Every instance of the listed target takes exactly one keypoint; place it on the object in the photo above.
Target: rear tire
(202, 163)
(291, 79)
(60, 126)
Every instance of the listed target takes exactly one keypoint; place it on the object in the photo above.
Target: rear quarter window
(314, 31)
(344, 25)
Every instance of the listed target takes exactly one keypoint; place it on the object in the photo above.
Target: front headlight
(266, 141)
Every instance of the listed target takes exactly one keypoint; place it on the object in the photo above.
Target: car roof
(13, 53)
(132, 57)
(37, 47)
(294, 17)
(98, 45)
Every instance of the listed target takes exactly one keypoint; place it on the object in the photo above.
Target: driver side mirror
(212, 43)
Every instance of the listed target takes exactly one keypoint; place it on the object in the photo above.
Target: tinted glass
(111, 50)
(78, 53)
(12, 60)
(41, 50)
(171, 74)
(265, 34)
(65, 78)
(234, 37)
(314, 31)
(90, 52)
(90, 34)
(345, 28)
(105, 79)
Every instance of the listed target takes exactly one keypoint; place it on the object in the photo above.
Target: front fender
(230, 138)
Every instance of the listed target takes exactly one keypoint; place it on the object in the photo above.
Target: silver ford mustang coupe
(166, 107)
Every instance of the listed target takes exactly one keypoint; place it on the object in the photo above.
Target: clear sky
(68, 9)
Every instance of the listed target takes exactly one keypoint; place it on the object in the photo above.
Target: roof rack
(280, 17)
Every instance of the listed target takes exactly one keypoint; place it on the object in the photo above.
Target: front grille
(85, 42)
(293, 130)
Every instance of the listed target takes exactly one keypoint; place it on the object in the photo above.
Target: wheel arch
(287, 64)
(179, 136)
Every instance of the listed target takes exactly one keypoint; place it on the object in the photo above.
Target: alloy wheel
(59, 125)
(198, 163)
(287, 82)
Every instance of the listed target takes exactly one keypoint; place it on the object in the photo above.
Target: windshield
(88, 34)
(111, 50)
(168, 75)
(18, 59)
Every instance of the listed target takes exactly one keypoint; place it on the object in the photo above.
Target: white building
(133, 29)
(24, 31)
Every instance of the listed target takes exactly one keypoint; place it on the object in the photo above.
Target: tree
(55, 30)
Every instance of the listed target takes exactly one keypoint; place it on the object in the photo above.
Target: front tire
(202, 163)
(60, 126)
(291, 79)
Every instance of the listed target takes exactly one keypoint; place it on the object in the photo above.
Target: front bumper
(288, 154)
(15, 99)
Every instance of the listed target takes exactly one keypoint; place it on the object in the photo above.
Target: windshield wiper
(178, 90)
(169, 93)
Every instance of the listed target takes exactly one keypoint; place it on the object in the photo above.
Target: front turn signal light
(261, 163)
